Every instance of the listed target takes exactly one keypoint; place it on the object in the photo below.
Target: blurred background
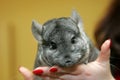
(17, 45)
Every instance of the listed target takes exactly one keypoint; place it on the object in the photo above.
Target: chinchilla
(63, 42)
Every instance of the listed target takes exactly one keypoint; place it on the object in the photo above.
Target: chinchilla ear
(37, 30)
(75, 16)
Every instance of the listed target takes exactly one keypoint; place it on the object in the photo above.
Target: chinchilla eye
(73, 40)
(53, 45)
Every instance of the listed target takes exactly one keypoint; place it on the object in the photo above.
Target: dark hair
(109, 25)
(109, 28)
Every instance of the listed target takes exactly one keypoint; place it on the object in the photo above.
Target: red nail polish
(110, 42)
(53, 70)
(38, 72)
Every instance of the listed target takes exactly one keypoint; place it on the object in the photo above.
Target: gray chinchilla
(63, 42)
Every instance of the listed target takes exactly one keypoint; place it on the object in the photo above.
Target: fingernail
(21, 68)
(53, 70)
(110, 44)
(38, 72)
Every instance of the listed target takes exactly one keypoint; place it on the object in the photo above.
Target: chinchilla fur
(63, 42)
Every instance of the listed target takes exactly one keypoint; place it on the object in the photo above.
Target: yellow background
(18, 46)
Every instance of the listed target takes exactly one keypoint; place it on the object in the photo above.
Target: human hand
(96, 70)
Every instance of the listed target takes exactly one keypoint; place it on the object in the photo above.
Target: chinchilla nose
(66, 56)
(67, 60)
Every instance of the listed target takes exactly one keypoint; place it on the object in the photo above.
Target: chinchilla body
(63, 42)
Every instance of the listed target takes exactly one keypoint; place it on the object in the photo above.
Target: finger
(46, 72)
(105, 52)
(56, 69)
(51, 72)
(27, 74)
(66, 70)
(40, 71)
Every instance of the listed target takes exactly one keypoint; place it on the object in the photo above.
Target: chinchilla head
(62, 41)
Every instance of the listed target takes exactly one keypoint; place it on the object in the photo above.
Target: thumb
(105, 51)
(26, 73)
